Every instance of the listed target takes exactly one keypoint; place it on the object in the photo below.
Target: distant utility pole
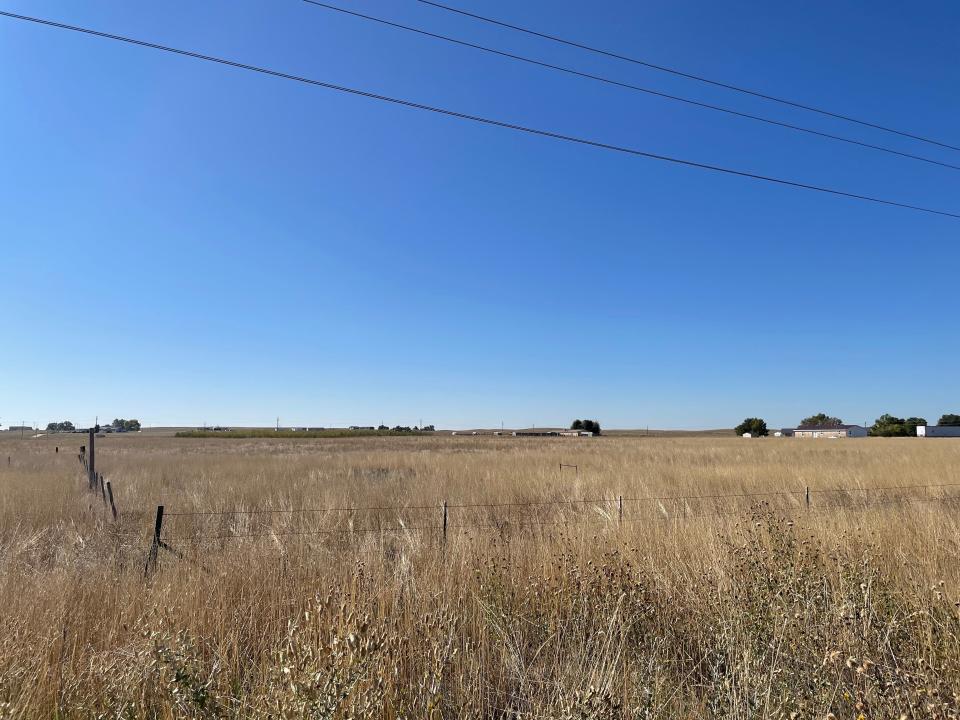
(278, 423)
(21, 428)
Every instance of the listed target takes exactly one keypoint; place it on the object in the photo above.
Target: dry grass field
(346, 601)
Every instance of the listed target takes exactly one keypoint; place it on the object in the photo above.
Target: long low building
(529, 432)
(551, 432)
(938, 431)
(830, 431)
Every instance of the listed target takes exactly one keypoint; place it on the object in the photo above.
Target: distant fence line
(95, 481)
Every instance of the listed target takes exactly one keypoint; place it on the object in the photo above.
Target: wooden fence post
(808, 497)
(113, 508)
(91, 462)
(155, 546)
(103, 491)
(444, 520)
(620, 510)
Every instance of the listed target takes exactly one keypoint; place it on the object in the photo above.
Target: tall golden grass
(710, 607)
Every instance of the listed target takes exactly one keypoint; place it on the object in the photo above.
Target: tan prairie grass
(704, 607)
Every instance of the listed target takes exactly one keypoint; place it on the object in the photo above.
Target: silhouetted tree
(591, 426)
(821, 419)
(757, 427)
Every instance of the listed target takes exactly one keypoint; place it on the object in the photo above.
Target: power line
(689, 76)
(484, 120)
(629, 86)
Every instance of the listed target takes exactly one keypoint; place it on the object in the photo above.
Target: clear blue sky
(182, 242)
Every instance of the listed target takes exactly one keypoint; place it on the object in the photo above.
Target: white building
(938, 431)
(830, 431)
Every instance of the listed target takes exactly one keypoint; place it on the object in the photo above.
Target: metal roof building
(830, 431)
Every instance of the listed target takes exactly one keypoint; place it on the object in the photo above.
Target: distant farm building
(830, 431)
(946, 431)
(551, 432)
(530, 432)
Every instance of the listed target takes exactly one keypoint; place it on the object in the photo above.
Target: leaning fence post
(92, 461)
(155, 546)
(444, 519)
(113, 508)
(103, 491)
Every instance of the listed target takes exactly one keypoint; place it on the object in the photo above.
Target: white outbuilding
(938, 431)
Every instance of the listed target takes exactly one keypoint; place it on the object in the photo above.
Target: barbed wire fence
(200, 527)
(452, 518)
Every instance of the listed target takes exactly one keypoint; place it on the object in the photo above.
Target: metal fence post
(444, 520)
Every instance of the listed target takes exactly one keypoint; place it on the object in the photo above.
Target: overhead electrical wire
(689, 76)
(628, 86)
(480, 119)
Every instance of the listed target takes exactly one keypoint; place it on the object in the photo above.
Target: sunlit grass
(701, 607)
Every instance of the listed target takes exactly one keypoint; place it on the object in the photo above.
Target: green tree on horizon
(65, 426)
(821, 419)
(757, 427)
(591, 426)
(888, 425)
